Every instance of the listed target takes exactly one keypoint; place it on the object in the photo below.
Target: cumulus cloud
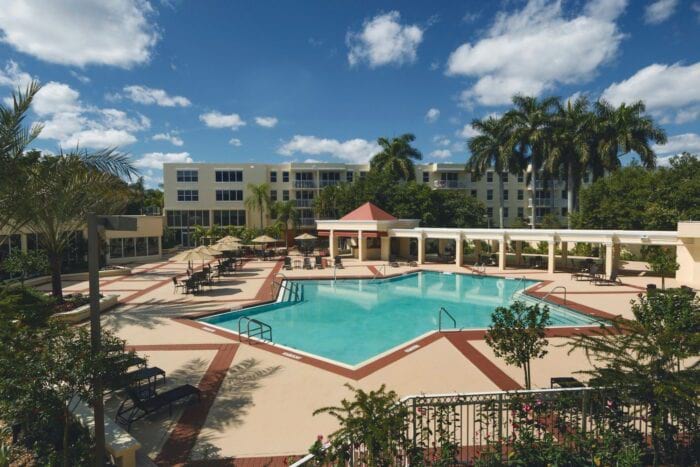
(354, 150)
(56, 97)
(441, 140)
(218, 120)
(155, 160)
(467, 131)
(80, 32)
(235, 142)
(659, 11)
(432, 115)
(99, 138)
(669, 91)
(267, 122)
(441, 153)
(687, 142)
(146, 95)
(532, 50)
(383, 40)
(13, 77)
(171, 137)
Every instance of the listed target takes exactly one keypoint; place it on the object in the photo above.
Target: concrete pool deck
(258, 403)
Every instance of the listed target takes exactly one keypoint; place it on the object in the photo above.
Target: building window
(564, 194)
(226, 218)
(474, 193)
(285, 195)
(505, 212)
(273, 176)
(229, 175)
(521, 195)
(564, 212)
(273, 195)
(285, 177)
(489, 177)
(521, 212)
(187, 218)
(229, 195)
(505, 195)
(129, 248)
(363, 174)
(489, 195)
(585, 177)
(187, 176)
(426, 177)
(188, 195)
(521, 178)
(489, 212)
(348, 176)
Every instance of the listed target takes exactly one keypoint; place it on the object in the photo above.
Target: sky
(315, 80)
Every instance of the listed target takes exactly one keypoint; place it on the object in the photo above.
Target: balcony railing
(449, 184)
(303, 203)
(324, 183)
(304, 184)
(540, 202)
(307, 221)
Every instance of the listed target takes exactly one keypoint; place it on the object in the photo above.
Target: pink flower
(320, 438)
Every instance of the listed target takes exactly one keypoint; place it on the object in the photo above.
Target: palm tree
(286, 213)
(259, 200)
(489, 150)
(572, 141)
(396, 157)
(625, 129)
(530, 126)
(59, 192)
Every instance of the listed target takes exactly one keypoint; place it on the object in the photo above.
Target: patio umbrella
(264, 239)
(305, 236)
(226, 246)
(305, 239)
(202, 253)
(229, 239)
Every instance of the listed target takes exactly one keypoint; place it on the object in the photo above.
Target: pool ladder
(552, 291)
(520, 281)
(292, 287)
(443, 310)
(260, 329)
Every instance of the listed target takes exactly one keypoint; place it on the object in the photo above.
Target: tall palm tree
(530, 124)
(259, 200)
(625, 129)
(572, 142)
(489, 149)
(286, 213)
(59, 192)
(396, 157)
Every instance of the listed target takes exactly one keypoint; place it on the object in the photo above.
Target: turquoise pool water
(350, 321)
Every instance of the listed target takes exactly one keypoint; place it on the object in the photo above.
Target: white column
(362, 244)
(385, 248)
(550, 257)
(609, 259)
(502, 254)
(333, 244)
(421, 249)
(459, 251)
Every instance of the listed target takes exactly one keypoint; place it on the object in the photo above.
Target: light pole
(94, 224)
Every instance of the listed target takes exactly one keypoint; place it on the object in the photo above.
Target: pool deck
(258, 399)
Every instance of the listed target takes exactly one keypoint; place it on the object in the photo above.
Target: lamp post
(96, 223)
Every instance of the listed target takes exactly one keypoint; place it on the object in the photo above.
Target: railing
(260, 331)
(552, 291)
(515, 290)
(324, 183)
(303, 203)
(304, 184)
(443, 310)
(448, 184)
(291, 287)
(479, 269)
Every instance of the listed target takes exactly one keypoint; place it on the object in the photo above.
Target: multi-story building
(215, 193)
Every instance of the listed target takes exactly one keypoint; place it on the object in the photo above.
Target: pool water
(350, 321)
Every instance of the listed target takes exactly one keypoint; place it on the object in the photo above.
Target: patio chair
(611, 280)
(338, 262)
(318, 263)
(178, 285)
(136, 406)
(192, 285)
(307, 263)
(589, 275)
(287, 263)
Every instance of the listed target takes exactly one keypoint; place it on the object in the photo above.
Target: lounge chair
(589, 275)
(307, 263)
(612, 280)
(141, 406)
(318, 263)
(287, 263)
(338, 262)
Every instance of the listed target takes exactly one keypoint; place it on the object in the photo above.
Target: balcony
(540, 203)
(307, 222)
(325, 183)
(448, 184)
(304, 184)
(547, 184)
(304, 203)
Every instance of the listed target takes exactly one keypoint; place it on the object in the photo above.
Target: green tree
(396, 157)
(58, 193)
(663, 262)
(517, 334)
(287, 214)
(489, 150)
(26, 264)
(259, 200)
(652, 359)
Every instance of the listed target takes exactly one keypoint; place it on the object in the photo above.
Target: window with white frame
(188, 195)
(229, 195)
(228, 175)
(187, 175)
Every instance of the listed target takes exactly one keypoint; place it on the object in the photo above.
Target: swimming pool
(351, 321)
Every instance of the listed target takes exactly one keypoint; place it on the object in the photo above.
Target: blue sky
(272, 81)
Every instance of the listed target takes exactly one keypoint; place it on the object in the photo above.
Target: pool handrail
(523, 278)
(443, 310)
(552, 291)
(262, 328)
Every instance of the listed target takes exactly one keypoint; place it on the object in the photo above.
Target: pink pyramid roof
(368, 212)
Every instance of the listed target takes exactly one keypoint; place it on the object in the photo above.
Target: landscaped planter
(83, 312)
(116, 271)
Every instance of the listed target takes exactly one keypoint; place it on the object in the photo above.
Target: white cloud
(80, 32)
(659, 11)
(82, 78)
(467, 131)
(532, 50)
(432, 115)
(383, 40)
(99, 138)
(354, 150)
(235, 142)
(688, 142)
(218, 120)
(441, 153)
(155, 160)
(171, 137)
(55, 98)
(669, 91)
(267, 122)
(13, 77)
(441, 140)
(146, 95)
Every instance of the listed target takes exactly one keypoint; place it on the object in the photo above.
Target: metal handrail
(481, 271)
(552, 291)
(262, 328)
(293, 289)
(443, 310)
(516, 286)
